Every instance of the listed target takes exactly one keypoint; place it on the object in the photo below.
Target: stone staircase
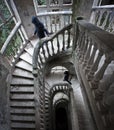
(22, 108)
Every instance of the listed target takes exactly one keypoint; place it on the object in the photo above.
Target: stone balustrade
(94, 55)
(54, 21)
(103, 16)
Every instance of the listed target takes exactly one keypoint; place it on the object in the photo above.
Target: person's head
(35, 20)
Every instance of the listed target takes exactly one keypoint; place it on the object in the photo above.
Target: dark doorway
(61, 119)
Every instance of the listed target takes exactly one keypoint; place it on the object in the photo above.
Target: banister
(98, 34)
(94, 54)
(45, 40)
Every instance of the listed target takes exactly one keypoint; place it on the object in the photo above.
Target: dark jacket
(40, 30)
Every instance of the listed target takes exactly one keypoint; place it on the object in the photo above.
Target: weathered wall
(82, 8)
(4, 71)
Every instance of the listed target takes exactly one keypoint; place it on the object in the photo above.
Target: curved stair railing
(94, 62)
(50, 46)
(54, 21)
(45, 50)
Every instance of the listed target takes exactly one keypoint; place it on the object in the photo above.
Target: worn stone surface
(82, 8)
(4, 71)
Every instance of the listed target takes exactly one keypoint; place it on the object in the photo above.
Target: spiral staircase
(39, 99)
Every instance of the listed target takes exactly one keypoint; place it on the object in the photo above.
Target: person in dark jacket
(66, 77)
(40, 30)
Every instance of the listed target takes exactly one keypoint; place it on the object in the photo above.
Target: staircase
(22, 109)
(23, 103)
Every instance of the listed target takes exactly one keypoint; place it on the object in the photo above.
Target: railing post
(100, 73)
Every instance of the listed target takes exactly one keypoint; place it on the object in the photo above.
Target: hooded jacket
(40, 30)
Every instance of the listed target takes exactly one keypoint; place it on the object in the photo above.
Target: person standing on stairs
(66, 77)
(40, 30)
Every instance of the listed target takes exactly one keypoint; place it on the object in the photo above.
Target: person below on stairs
(40, 30)
(66, 77)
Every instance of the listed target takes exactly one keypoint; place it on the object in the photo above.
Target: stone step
(22, 104)
(20, 111)
(26, 57)
(22, 126)
(21, 81)
(24, 65)
(22, 73)
(29, 97)
(22, 89)
(27, 118)
(29, 51)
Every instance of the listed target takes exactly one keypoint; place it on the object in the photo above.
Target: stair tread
(22, 73)
(22, 118)
(24, 65)
(22, 125)
(26, 104)
(22, 96)
(21, 81)
(30, 50)
(26, 57)
(22, 111)
(22, 89)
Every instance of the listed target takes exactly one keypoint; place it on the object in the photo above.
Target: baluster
(87, 55)
(100, 73)
(58, 45)
(91, 59)
(60, 24)
(80, 46)
(47, 49)
(100, 18)
(84, 48)
(92, 18)
(104, 25)
(104, 85)
(64, 20)
(46, 22)
(40, 59)
(79, 43)
(69, 39)
(55, 20)
(95, 66)
(54, 23)
(51, 23)
(63, 41)
(110, 21)
(43, 50)
(69, 19)
(52, 47)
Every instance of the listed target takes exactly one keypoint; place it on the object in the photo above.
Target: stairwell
(23, 104)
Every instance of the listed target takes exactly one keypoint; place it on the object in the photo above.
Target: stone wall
(82, 8)
(4, 71)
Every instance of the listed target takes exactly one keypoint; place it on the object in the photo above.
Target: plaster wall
(82, 8)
